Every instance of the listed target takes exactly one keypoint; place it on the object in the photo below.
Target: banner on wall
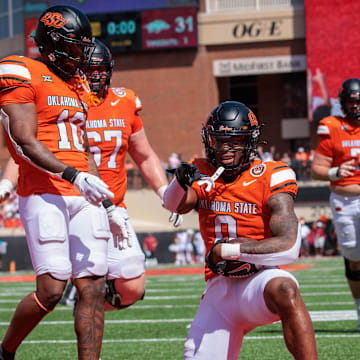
(332, 49)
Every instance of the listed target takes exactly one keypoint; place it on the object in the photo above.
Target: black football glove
(215, 268)
(186, 174)
(230, 268)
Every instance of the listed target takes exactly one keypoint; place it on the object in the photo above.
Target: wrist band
(160, 191)
(70, 174)
(230, 251)
(7, 184)
(334, 173)
(107, 203)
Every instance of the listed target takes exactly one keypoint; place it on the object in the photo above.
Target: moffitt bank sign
(259, 65)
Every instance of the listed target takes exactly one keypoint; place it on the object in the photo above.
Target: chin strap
(209, 181)
(92, 97)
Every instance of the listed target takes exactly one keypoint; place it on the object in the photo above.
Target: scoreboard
(146, 30)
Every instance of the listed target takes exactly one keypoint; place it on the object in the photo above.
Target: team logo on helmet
(252, 118)
(258, 170)
(55, 20)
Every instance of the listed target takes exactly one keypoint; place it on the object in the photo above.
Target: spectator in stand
(174, 247)
(305, 231)
(286, 158)
(311, 238)
(185, 249)
(150, 244)
(330, 247)
(319, 240)
(199, 247)
(302, 164)
(174, 161)
(269, 155)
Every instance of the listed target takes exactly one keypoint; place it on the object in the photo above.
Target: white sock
(357, 303)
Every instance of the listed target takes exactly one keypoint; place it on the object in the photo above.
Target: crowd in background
(9, 213)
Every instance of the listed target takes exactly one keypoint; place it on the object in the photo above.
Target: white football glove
(6, 187)
(123, 238)
(92, 188)
(177, 219)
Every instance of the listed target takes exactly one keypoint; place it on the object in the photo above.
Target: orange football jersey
(61, 113)
(340, 141)
(238, 209)
(109, 127)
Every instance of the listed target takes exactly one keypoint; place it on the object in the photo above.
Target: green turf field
(156, 327)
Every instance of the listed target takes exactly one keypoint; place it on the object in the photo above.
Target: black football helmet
(100, 61)
(64, 37)
(350, 92)
(231, 120)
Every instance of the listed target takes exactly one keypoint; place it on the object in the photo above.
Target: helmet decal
(55, 20)
(252, 118)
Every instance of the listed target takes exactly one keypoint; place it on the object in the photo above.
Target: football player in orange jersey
(247, 221)
(337, 159)
(114, 128)
(43, 110)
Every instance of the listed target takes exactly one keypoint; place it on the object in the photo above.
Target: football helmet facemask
(64, 37)
(231, 135)
(349, 96)
(99, 68)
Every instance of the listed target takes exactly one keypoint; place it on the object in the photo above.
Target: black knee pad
(351, 275)
(113, 297)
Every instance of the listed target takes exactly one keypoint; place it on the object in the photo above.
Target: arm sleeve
(277, 258)
(18, 95)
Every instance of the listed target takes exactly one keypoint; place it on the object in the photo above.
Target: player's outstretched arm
(179, 197)
(23, 129)
(150, 166)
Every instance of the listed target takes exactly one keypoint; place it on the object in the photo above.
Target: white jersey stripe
(17, 70)
(281, 176)
(323, 130)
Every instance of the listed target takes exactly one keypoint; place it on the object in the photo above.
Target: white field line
(247, 337)
(326, 293)
(316, 316)
(196, 296)
(164, 306)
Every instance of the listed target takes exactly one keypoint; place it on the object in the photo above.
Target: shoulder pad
(14, 72)
(130, 95)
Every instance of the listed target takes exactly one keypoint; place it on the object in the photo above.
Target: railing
(215, 6)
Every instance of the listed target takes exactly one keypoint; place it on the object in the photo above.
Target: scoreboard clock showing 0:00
(124, 27)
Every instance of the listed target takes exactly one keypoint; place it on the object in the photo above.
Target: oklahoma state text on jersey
(61, 114)
(109, 127)
(238, 209)
(340, 141)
